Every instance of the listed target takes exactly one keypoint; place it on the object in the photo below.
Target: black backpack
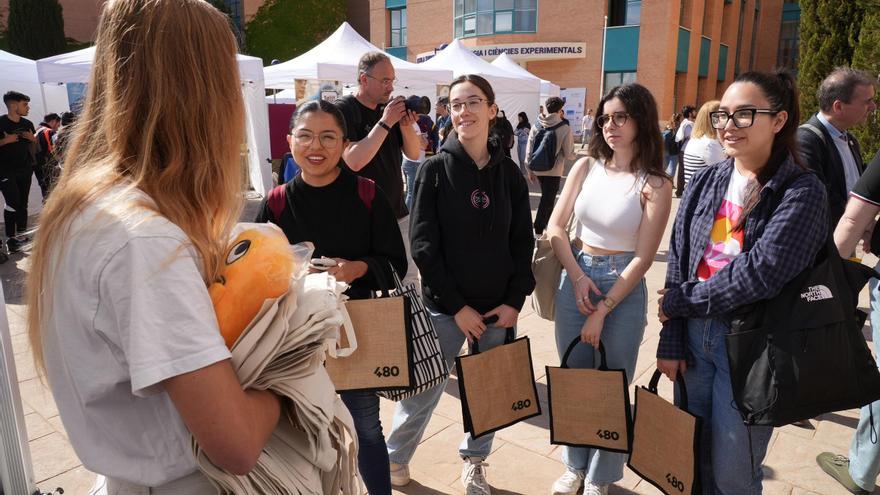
(672, 148)
(543, 156)
(802, 353)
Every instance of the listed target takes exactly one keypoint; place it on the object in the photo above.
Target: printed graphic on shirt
(724, 244)
(479, 199)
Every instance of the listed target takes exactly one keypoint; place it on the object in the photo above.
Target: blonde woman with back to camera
(120, 320)
(620, 198)
(703, 148)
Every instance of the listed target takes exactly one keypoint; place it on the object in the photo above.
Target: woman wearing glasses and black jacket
(472, 240)
(745, 228)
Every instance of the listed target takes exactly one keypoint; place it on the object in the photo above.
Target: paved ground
(523, 460)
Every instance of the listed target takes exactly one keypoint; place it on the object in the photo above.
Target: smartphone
(490, 320)
(322, 263)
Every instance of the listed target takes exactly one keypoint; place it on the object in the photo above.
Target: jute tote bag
(497, 387)
(666, 441)
(382, 359)
(589, 407)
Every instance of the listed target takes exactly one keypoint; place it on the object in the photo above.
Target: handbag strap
(577, 340)
(652, 387)
(508, 338)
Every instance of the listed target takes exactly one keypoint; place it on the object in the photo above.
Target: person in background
(427, 140)
(44, 162)
(846, 99)
(523, 127)
(586, 127)
(703, 148)
(62, 138)
(670, 147)
(472, 240)
(380, 132)
(323, 206)
(442, 119)
(16, 167)
(119, 315)
(504, 130)
(549, 180)
(620, 199)
(682, 134)
(730, 248)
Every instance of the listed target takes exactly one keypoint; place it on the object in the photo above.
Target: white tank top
(608, 209)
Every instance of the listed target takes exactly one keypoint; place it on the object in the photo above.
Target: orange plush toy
(258, 267)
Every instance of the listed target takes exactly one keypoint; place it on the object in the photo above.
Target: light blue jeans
(671, 162)
(864, 452)
(724, 450)
(621, 336)
(412, 414)
(409, 167)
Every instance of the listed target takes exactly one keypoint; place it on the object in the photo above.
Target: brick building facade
(684, 51)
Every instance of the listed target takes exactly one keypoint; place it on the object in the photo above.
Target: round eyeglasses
(619, 119)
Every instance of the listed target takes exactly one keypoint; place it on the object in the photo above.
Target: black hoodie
(471, 231)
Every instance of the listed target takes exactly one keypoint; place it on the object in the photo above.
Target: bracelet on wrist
(583, 276)
(383, 125)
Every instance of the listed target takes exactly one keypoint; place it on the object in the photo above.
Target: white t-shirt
(127, 309)
(725, 244)
(587, 122)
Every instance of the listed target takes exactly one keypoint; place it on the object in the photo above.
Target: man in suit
(846, 99)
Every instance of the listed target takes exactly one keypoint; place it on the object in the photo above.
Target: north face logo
(817, 293)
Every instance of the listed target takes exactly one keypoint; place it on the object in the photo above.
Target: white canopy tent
(76, 67)
(337, 57)
(514, 93)
(507, 63)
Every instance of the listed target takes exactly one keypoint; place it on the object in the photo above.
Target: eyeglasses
(619, 119)
(469, 105)
(384, 81)
(741, 118)
(328, 140)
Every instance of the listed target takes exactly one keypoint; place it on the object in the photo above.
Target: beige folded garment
(313, 450)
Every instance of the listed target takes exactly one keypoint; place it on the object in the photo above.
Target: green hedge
(283, 29)
(35, 28)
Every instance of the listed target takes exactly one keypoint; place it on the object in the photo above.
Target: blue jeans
(410, 167)
(864, 452)
(412, 414)
(671, 162)
(521, 154)
(372, 454)
(621, 336)
(724, 451)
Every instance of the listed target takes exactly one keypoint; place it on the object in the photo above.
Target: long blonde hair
(703, 124)
(163, 114)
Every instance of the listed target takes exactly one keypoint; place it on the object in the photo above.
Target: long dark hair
(780, 89)
(642, 108)
(523, 121)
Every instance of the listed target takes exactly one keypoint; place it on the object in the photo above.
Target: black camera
(418, 104)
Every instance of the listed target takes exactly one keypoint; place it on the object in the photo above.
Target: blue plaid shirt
(778, 245)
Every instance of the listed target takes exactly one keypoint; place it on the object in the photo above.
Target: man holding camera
(17, 144)
(378, 131)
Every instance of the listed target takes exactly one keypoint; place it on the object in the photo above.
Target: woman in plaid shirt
(745, 227)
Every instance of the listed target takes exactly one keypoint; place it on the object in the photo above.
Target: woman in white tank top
(620, 198)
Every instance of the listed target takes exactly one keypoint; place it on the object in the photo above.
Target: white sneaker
(591, 488)
(473, 477)
(569, 483)
(399, 474)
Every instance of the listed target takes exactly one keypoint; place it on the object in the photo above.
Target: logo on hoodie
(817, 293)
(479, 199)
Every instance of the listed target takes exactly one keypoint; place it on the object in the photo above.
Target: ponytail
(780, 89)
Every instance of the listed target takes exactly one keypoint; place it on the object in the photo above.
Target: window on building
(487, 17)
(624, 12)
(398, 27)
(613, 79)
(789, 40)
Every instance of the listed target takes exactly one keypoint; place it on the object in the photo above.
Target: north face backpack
(543, 156)
(802, 353)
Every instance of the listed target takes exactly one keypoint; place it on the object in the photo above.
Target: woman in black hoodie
(472, 241)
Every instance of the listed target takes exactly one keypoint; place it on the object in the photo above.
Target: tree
(829, 34)
(35, 28)
(867, 56)
(283, 29)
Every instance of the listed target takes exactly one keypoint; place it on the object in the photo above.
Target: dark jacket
(778, 244)
(821, 156)
(471, 231)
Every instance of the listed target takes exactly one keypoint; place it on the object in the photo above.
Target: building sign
(524, 51)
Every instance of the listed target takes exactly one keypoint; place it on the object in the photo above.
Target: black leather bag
(802, 353)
